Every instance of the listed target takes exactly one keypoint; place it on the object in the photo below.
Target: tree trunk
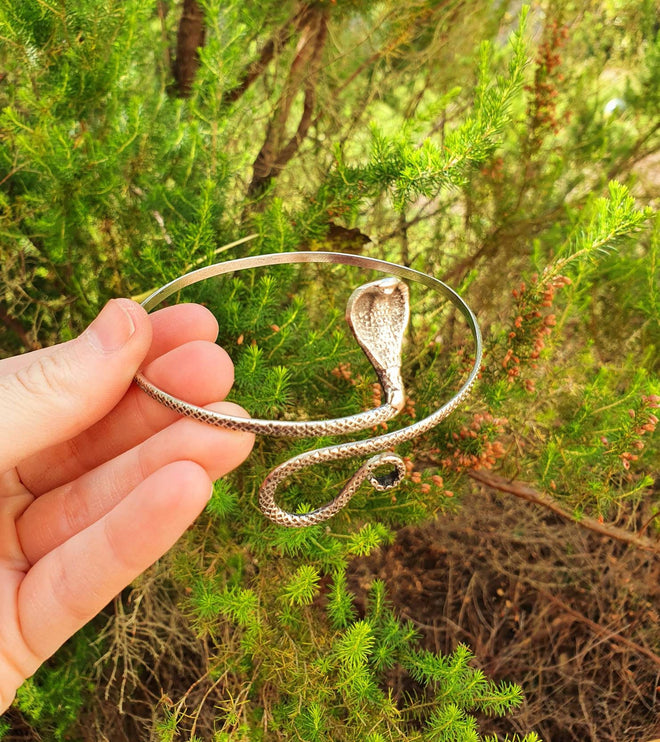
(190, 38)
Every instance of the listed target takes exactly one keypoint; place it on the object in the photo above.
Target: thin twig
(602, 630)
(525, 492)
(256, 68)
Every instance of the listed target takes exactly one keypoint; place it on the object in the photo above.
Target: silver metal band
(373, 313)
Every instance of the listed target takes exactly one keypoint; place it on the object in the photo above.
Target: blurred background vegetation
(511, 151)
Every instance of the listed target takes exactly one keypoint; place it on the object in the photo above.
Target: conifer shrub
(472, 142)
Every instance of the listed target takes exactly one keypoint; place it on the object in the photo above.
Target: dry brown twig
(526, 492)
(601, 630)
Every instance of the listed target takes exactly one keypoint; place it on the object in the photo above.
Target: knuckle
(118, 553)
(75, 510)
(67, 593)
(47, 376)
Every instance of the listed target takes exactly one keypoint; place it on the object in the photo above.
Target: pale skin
(97, 480)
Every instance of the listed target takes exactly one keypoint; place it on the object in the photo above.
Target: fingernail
(211, 492)
(113, 328)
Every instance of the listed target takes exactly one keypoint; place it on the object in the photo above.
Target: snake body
(377, 313)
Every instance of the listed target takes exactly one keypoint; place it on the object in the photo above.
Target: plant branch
(257, 67)
(601, 630)
(274, 154)
(17, 328)
(525, 492)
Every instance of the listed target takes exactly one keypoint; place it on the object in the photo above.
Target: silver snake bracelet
(377, 313)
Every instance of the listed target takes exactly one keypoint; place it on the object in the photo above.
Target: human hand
(97, 480)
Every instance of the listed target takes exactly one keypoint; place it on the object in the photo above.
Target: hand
(97, 480)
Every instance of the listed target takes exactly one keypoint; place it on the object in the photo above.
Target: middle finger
(199, 372)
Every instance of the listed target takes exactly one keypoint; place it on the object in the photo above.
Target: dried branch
(275, 154)
(257, 67)
(526, 492)
(606, 633)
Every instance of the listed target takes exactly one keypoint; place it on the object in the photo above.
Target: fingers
(61, 513)
(174, 326)
(171, 326)
(199, 372)
(60, 394)
(71, 584)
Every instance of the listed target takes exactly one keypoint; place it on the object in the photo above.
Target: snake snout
(390, 479)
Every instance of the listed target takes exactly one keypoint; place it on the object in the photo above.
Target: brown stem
(405, 244)
(526, 492)
(290, 149)
(190, 38)
(601, 630)
(256, 68)
(254, 71)
(17, 328)
(275, 153)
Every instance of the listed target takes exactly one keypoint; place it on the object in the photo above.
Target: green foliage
(450, 724)
(223, 502)
(488, 163)
(354, 648)
(340, 604)
(53, 699)
(368, 538)
(600, 454)
(455, 682)
(603, 223)
(303, 586)
(410, 170)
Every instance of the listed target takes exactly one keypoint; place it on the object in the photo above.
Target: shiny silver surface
(377, 313)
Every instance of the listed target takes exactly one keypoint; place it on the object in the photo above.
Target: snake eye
(390, 479)
(387, 481)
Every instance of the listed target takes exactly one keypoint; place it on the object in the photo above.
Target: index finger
(171, 326)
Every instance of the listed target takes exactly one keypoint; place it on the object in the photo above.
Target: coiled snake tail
(322, 455)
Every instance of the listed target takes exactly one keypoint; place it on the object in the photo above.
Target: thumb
(62, 393)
